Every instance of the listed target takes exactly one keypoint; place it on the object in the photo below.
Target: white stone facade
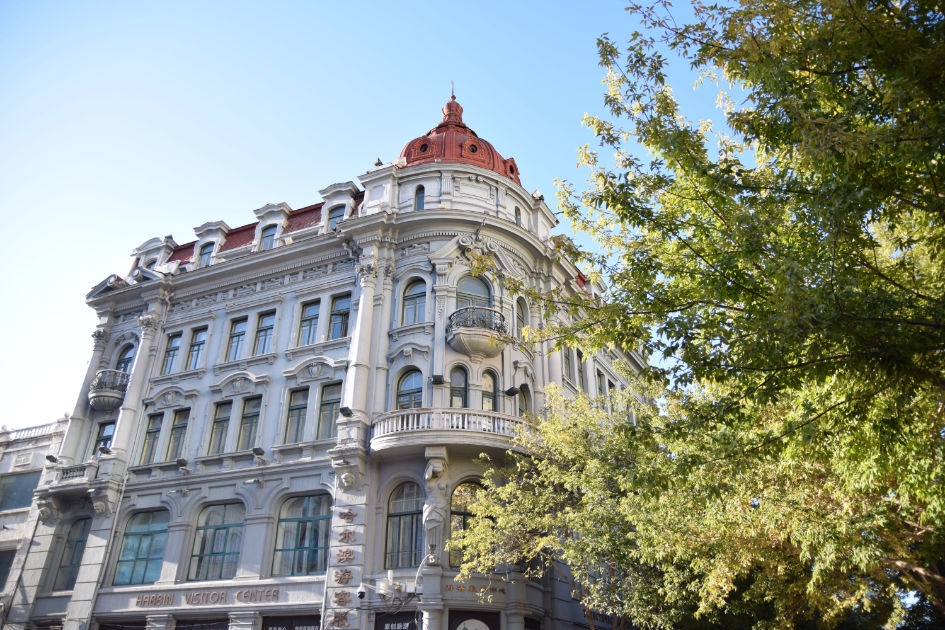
(324, 358)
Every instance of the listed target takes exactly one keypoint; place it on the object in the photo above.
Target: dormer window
(206, 253)
(335, 216)
(267, 239)
(418, 198)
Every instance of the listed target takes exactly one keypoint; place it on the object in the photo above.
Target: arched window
(521, 316)
(460, 514)
(217, 543)
(206, 253)
(415, 297)
(335, 216)
(459, 388)
(418, 198)
(72, 552)
(518, 216)
(142, 548)
(410, 390)
(404, 531)
(473, 292)
(490, 392)
(524, 400)
(125, 359)
(302, 536)
(267, 239)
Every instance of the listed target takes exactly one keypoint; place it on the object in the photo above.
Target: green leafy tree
(788, 272)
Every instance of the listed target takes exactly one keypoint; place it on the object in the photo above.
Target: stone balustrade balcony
(407, 428)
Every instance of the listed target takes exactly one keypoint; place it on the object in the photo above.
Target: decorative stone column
(131, 404)
(436, 509)
(177, 531)
(359, 371)
(382, 338)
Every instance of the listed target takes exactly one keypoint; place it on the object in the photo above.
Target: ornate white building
(279, 423)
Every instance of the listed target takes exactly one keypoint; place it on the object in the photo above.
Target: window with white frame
(340, 311)
(206, 254)
(404, 529)
(265, 324)
(295, 416)
(308, 323)
(335, 216)
(249, 420)
(125, 358)
(410, 390)
(175, 443)
(459, 388)
(418, 198)
(198, 340)
(151, 436)
(218, 428)
(236, 340)
(328, 411)
(170, 353)
(415, 296)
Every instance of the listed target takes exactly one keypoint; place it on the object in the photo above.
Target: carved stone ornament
(436, 507)
(98, 339)
(101, 501)
(476, 244)
(366, 270)
(48, 513)
(148, 323)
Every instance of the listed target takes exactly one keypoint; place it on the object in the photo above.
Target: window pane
(16, 491)
(302, 546)
(234, 348)
(295, 418)
(340, 309)
(308, 324)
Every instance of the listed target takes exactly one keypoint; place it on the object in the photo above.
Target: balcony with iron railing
(108, 389)
(407, 428)
(477, 331)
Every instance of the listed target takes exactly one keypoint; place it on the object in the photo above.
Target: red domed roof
(453, 141)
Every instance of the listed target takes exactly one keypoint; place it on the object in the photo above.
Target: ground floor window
(6, 560)
(291, 623)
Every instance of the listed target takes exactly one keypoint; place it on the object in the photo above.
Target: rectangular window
(221, 421)
(218, 541)
(6, 561)
(248, 422)
(142, 548)
(328, 411)
(72, 552)
(206, 253)
(198, 339)
(295, 419)
(601, 386)
(16, 491)
(175, 445)
(264, 326)
(234, 347)
(170, 354)
(335, 216)
(151, 436)
(308, 325)
(103, 439)
(340, 308)
(568, 368)
(268, 238)
(580, 371)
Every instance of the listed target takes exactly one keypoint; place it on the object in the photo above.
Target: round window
(423, 148)
(473, 148)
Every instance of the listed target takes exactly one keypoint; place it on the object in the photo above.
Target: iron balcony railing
(477, 317)
(460, 420)
(112, 380)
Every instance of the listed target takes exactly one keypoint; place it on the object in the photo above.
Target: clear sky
(124, 121)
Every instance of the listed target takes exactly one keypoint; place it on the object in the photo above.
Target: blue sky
(124, 121)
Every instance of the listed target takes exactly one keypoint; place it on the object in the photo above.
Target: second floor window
(142, 548)
(72, 552)
(580, 371)
(267, 239)
(198, 339)
(410, 390)
(264, 328)
(490, 398)
(302, 536)
(414, 303)
(234, 346)
(221, 421)
(340, 308)
(328, 411)
(170, 354)
(473, 292)
(308, 324)
(175, 445)
(295, 418)
(217, 543)
(206, 254)
(404, 530)
(459, 388)
(248, 422)
(151, 437)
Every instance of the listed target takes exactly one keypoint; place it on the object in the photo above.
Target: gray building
(280, 421)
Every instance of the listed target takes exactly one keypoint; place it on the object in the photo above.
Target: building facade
(280, 421)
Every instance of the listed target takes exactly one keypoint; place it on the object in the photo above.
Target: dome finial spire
(452, 111)
(452, 93)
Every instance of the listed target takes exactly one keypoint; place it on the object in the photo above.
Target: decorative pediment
(240, 383)
(109, 284)
(408, 350)
(318, 369)
(465, 247)
(170, 397)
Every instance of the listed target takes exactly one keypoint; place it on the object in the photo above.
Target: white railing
(31, 432)
(412, 420)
